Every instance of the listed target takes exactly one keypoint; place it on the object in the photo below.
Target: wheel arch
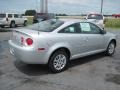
(12, 21)
(62, 49)
(113, 40)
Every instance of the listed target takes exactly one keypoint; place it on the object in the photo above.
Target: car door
(94, 40)
(21, 20)
(16, 17)
(72, 36)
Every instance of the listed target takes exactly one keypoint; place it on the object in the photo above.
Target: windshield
(2, 15)
(95, 16)
(46, 26)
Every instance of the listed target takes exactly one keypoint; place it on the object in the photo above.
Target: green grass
(112, 23)
(30, 20)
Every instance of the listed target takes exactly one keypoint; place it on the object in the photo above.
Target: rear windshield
(2, 15)
(46, 26)
(95, 16)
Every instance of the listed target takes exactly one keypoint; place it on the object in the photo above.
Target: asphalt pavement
(96, 72)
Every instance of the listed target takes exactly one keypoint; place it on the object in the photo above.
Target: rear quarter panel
(51, 42)
(108, 38)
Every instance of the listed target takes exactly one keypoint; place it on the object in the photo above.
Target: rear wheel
(58, 61)
(12, 24)
(111, 48)
(2, 26)
(25, 23)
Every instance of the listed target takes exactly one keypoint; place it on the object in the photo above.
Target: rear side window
(2, 15)
(16, 15)
(95, 16)
(71, 29)
(9, 15)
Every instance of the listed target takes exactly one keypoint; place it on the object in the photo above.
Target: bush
(30, 12)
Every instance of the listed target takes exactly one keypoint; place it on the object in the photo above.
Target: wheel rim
(13, 24)
(111, 48)
(59, 62)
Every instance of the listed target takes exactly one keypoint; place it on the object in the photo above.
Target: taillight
(29, 41)
(7, 19)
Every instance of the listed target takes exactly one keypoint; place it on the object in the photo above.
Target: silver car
(56, 42)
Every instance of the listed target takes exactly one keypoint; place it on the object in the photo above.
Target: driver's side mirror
(103, 31)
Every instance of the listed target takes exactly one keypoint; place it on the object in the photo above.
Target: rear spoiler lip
(20, 32)
(28, 33)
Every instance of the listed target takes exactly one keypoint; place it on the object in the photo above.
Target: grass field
(112, 23)
(30, 20)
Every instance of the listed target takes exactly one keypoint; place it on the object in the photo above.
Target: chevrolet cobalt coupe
(55, 42)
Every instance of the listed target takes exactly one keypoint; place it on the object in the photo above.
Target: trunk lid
(20, 35)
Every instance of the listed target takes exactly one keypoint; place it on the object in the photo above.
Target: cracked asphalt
(96, 72)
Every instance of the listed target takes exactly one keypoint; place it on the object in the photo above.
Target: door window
(20, 16)
(89, 28)
(9, 15)
(16, 15)
(2, 15)
(95, 29)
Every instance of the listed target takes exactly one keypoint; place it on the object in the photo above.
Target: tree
(30, 12)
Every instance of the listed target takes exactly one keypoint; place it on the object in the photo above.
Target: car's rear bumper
(28, 55)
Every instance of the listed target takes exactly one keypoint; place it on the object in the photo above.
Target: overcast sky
(62, 6)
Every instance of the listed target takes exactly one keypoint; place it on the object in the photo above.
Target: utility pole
(101, 6)
(46, 6)
(43, 6)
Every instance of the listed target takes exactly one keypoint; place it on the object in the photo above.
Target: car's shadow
(87, 59)
(36, 70)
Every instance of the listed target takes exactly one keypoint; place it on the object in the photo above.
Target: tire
(2, 26)
(12, 24)
(25, 23)
(110, 49)
(58, 61)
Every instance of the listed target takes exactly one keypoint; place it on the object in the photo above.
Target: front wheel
(111, 48)
(58, 61)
